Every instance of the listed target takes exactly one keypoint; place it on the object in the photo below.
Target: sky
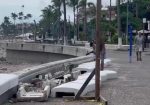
(34, 7)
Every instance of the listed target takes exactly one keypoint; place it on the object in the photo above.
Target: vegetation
(83, 26)
(11, 28)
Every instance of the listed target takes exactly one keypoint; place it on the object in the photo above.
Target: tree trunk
(77, 23)
(119, 25)
(59, 33)
(109, 38)
(75, 36)
(85, 22)
(137, 14)
(65, 20)
(14, 27)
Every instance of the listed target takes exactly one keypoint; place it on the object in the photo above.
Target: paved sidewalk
(131, 88)
(133, 85)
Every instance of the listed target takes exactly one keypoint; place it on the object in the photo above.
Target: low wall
(19, 57)
(2, 50)
(115, 47)
(41, 53)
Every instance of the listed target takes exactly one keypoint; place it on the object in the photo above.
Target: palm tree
(77, 22)
(83, 3)
(21, 16)
(74, 4)
(65, 21)
(57, 4)
(14, 16)
(91, 9)
(27, 17)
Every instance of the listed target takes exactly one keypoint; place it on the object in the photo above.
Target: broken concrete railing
(56, 68)
(9, 82)
(8, 86)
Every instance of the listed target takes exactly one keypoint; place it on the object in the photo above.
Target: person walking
(139, 46)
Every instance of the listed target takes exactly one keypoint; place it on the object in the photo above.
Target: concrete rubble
(66, 85)
(81, 73)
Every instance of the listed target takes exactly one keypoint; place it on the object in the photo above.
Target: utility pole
(119, 25)
(98, 50)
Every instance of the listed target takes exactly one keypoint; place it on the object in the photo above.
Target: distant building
(113, 13)
(91, 13)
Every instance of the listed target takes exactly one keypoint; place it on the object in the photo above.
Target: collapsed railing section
(56, 68)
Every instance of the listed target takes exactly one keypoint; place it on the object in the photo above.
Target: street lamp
(148, 25)
(144, 21)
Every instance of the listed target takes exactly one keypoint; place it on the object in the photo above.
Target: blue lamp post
(131, 42)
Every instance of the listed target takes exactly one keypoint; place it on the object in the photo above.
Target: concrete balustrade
(8, 86)
(56, 68)
(41, 53)
(60, 49)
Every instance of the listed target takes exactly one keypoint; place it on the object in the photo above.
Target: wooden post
(98, 50)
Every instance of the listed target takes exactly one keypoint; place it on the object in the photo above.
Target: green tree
(57, 5)
(14, 17)
(20, 16)
(74, 4)
(65, 23)
(6, 26)
(83, 4)
(49, 18)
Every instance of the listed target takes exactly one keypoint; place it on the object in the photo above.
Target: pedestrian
(139, 46)
(93, 46)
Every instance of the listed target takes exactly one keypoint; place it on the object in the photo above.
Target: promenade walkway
(133, 85)
(131, 88)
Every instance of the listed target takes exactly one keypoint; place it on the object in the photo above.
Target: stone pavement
(131, 88)
(133, 85)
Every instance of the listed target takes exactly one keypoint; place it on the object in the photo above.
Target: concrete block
(8, 86)
(7, 81)
(73, 87)
(91, 65)
(103, 76)
(110, 74)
